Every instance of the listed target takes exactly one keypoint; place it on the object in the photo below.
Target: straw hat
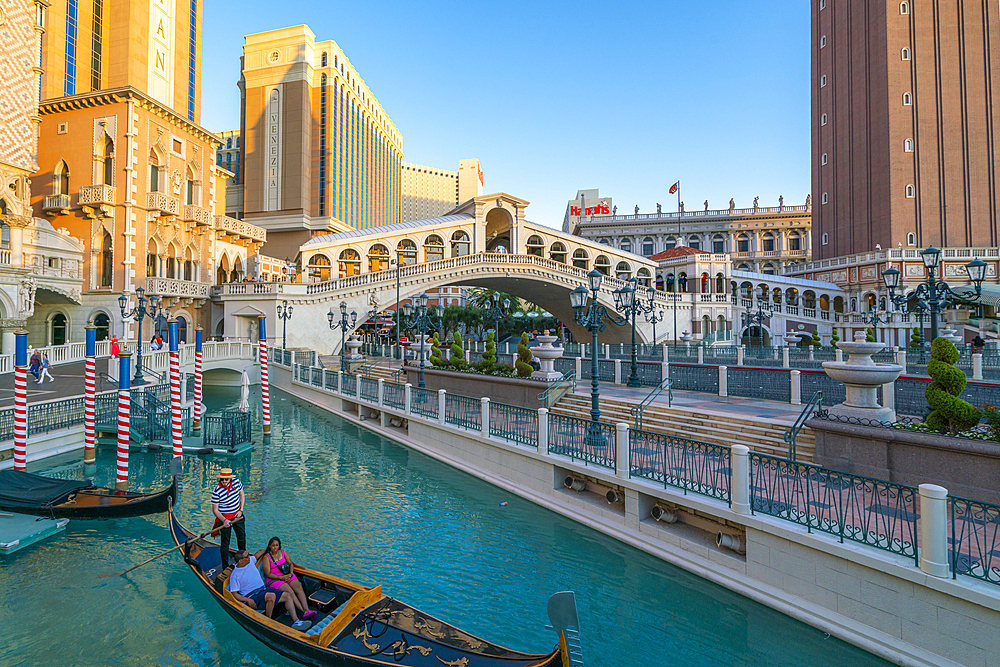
(226, 473)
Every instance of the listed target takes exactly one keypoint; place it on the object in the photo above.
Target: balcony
(171, 288)
(55, 204)
(198, 215)
(97, 200)
(162, 204)
(238, 231)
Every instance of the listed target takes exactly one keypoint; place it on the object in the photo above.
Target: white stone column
(607, 351)
(934, 530)
(664, 371)
(543, 430)
(622, 461)
(977, 366)
(889, 395)
(618, 371)
(701, 354)
(407, 397)
(739, 355)
(795, 378)
(901, 358)
(739, 483)
(485, 418)
(723, 381)
(340, 382)
(839, 355)
(442, 398)
(381, 391)
(784, 356)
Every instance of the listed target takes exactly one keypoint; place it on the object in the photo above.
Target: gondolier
(228, 500)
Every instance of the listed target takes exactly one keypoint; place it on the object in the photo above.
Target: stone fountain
(353, 345)
(862, 378)
(546, 355)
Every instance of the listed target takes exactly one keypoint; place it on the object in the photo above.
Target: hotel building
(429, 192)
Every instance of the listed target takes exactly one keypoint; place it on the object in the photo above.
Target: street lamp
(764, 312)
(627, 303)
(151, 308)
(343, 326)
(284, 314)
(651, 313)
(592, 317)
(934, 295)
(422, 322)
(496, 312)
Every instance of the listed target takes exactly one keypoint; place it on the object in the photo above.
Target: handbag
(284, 568)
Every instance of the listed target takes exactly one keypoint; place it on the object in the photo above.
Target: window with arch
(407, 252)
(822, 81)
(825, 238)
(536, 246)
(669, 243)
(718, 244)
(171, 266)
(623, 271)
(767, 242)
(822, 42)
(319, 268)
(743, 267)
(904, 54)
(823, 159)
(742, 243)
(107, 261)
(108, 159)
(557, 252)
(907, 99)
(322, 60)
(60, 179)
(694, 242)
(767, 269)
(604, 242)
(854, 305)
(704, 283)
(189, 273)
(625, 245)
(794, 241)
(911, 239)
(648, 247)
(154, 171)
(58, 330)
(378, 258)
(603, 264)
(822, 119)
(152, 261)
(349, 263)
(102, 324)
(460, 245)
(911, 192)
(581, 259)
(907, 145)
(433, 248)
(182, 327)
(904, 8)
(193, 186)
(720, 283)
(826, 198)
(643, 277)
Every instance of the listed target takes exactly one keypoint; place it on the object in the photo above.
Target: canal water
(351, 503)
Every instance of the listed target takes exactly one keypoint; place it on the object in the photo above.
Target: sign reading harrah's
(602, 207)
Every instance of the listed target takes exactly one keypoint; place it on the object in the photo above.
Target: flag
(675, 187)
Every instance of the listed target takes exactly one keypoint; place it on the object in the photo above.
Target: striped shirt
(228, 498)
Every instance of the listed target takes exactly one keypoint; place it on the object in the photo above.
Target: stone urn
(353, 345)
(953, 335)
(792, 339)
(862, 378)
(546, 355)
(415, 346)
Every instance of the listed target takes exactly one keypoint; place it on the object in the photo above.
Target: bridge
(486, 242)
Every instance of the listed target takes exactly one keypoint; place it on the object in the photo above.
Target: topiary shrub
(490, 354)
(869, 335)
(951, 414)
(457, 360)
(916, 340)
(834, 339)
(523, 363)
(815, 338)
(436, 358)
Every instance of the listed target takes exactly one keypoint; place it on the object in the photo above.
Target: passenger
(280, 573)
(247, 587)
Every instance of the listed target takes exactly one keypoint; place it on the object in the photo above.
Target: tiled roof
(680, 251)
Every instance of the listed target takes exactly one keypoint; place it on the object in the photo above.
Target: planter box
(965, 467)
(522, 392)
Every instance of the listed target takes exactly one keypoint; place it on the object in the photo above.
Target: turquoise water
(351, 503)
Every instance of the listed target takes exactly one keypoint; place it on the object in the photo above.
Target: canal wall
(874, 599)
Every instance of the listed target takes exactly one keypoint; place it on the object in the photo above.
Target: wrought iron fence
(695, 378)
(650, 374)
(975, 539)
(568, 436)
(513, 423)
(349, 385)
(463, 411)
(564, 365)
(316, 376)
(605, 370)
(424, 402)
(369, 390)
(813, 381)
(870, 511)
(393, 395)
(330, 381)
(773, 385)
(699, 467)
(228, 430)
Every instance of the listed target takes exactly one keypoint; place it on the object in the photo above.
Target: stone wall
(512, 391)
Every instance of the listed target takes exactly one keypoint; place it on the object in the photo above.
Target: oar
(118, 574)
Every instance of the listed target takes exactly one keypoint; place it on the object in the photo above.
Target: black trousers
(239, 526)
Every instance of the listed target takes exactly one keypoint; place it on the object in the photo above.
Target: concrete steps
(759, 434)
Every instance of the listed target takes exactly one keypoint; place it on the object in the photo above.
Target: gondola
(26, 493)
(357, 625)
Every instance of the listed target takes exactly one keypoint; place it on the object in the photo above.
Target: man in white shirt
(247, 586)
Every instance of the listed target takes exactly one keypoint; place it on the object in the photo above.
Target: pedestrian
(34, 363)
(228, 499)
(116, 348)
(978, 343)
(45, 370)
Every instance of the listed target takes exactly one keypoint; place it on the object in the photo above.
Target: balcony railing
(177, 288)
(165, 204)
(97, 194)
(196, 214)
(55, 204)
(240, 229)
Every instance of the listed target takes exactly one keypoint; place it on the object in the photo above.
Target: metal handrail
(367, 369)
(638, 410)
(567, 377)
(815, 402)
(104, 376)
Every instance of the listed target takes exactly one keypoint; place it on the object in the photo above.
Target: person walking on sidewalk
(45, 370)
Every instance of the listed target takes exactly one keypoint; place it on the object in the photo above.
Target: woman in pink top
(280, 575)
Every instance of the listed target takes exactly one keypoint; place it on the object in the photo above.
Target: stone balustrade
(165, 204)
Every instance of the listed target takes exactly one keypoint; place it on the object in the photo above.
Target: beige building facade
(429, 192)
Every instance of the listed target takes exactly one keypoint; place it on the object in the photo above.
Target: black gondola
(27, 493)
(357, 625)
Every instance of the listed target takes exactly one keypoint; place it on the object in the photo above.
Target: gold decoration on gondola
(362, 634)
(461, 662)
(424, 628)
(400, 648)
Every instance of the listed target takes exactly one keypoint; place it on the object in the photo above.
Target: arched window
(910, 192)
(767, 242)
(623, 271)
(378, 258)
(694, 242)
(743, 267)
(171, 267)
(704, 283)
(768, 269)
(907, 145)
(107, 261)
(911, 239)
(109, 161)
(603, 264)
(60, 179)
(58, 329)
(794, 241)
(625, 245)
(182, 329)
(406, 250)
(433, 248)
(869, 302)
(319, 268)
(460, 244)
(643, 277)
(557, 252)
(718, 244)
(349, 263)
(905, 53)
(581, 259)
(907, 99)
(669, 243)
(152, 262)
(854, 305)
(322, 60)
(193, 191)
(904, 8)
(720, 283)
(536, 246)
(604, 242)
(188, 265)
(103, 325)
(742, 243)
(648, 247)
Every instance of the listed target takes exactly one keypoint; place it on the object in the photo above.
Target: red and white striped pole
(89, 395)
(198, 337)
(20, 399)
(176, 433)
(264, 397)
(124, 406)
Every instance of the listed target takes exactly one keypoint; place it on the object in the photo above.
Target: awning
(990, 295)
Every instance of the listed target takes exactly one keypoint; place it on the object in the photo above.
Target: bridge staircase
(759, 434)
(149, 417)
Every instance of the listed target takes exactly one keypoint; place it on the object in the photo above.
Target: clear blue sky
(553, 97)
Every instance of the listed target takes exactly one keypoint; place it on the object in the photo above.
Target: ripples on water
(350, 503)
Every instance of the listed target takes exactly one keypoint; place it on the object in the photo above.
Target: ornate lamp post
(344, 326)
(672, 285)
(284, 314)
(875, 317)
(592, 317)
(652, 315)
(934, 295)
(627, 303)
(151, 308)
(421, 320)
(496, 312)
(764, 312)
